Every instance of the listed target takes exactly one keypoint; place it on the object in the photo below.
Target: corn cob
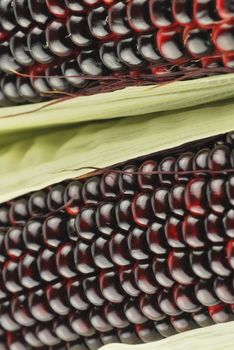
(70, 47)
(132, 254)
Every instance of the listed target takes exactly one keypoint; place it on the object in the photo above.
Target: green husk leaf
(217, 337)
(37, 159)
(128, 102)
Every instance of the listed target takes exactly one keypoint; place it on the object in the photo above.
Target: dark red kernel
(78, 30)
(63, 331)
(156, 239)
(10, 276)
(56, 297)
(167, 304)
(101, 253)
(165, 328)
(161, 272)
(176, 199)
(18, 211)
(127, 281)
(4, 216)
(200, 161)
(20, 311)
(147, 333)
(145, 278)
(138, 14)
(183, 323)
(230, 189)
(72, 197)
(115, 315)
(37, 204)
(219, 158)
(57, 8)
(202, 318)
(194, 232)
(39, 306)
(46, 335)
(159, 202)
(199, 262)
(220, 313)
(148, 181)
(98, 320)
(216, 195)
(218, 261)
(71, 229)
(173, 232)
(55, 197)
(160, 13)
(93, 342)
(6, 319)
(184, 163)
(76, 295)
(150, 308)
(98, 25)
(230, 253)
(133, 312)
(224, 289)
(195, 197)
(128, 55)
(205, 294)
(2, 248)
(86, 223)
(109, 184)
(137, 245)
(128, 335)
(185, 298)
(142, 210)
(65, 260)
(29, 335)
(92, 291)
(13, 242)
(123, 214)
(54, 230)
(128, 182)
(118, 19)
(119, 250)
(105, 218)
(109, 337)
(166, 165)
(58, 39)
(198, 42)
(214, 228)
(228, 222)
(46, 263)
(80, 324)
(91, 191)
(110, 287)
(179, 267)
(83, 258)
(32, 234)
(28, 271)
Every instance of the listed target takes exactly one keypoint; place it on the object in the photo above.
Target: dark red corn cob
(90, 46)
(131, 254)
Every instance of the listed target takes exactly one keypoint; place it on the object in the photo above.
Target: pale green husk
(106, 129)
(218, 337)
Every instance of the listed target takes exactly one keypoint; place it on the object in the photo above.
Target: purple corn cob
(85, 47)
(131, 254)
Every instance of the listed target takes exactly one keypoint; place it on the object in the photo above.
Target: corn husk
(61, 141)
